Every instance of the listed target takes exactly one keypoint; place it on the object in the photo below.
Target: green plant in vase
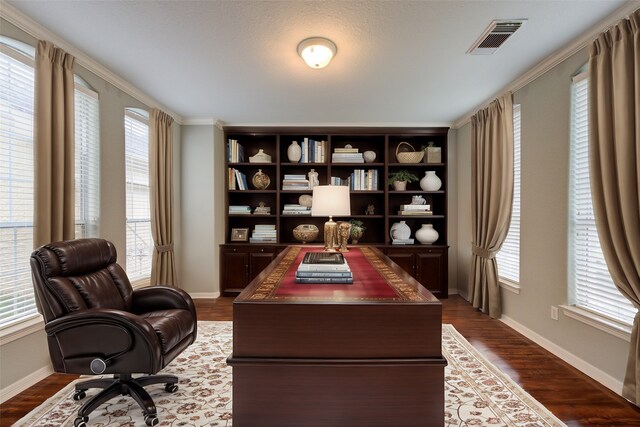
(357, 230)
(400, 179)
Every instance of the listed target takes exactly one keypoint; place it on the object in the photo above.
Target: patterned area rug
(476, 392)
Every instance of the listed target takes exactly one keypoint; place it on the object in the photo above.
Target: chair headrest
(76, 257)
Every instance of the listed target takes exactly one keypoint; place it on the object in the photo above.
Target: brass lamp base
(330, 235)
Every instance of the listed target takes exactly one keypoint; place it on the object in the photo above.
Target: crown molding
(555, 58)
(345, 125)
(36, 30)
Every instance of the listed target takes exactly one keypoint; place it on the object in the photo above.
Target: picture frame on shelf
(239, 234)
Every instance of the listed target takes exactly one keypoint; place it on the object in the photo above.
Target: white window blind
(139, 240)
(591, 286)
(87, 161)
(508, 257)
(16, 186)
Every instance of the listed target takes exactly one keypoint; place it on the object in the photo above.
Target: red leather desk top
(374, 279)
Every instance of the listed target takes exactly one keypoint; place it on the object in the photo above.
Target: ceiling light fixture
(317, 52)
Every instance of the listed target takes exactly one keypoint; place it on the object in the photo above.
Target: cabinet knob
(262, 250)
(234, 249)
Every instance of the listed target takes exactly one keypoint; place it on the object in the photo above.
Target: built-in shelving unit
(386, 201)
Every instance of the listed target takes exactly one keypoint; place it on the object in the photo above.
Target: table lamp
(330, 200)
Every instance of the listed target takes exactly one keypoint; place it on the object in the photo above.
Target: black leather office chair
(97, 324)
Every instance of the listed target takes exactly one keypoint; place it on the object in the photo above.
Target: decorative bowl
(306, 233)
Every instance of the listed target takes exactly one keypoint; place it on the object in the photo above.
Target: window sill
(510, 286)
(602, 323)
(21, 329)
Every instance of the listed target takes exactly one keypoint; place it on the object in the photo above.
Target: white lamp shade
(317, 52)
(331, 200)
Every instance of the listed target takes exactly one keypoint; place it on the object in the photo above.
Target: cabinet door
(258, 261)
(234, 267)
(431, 271)
(404, 259)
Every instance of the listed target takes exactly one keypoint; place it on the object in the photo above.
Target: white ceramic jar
(427, 234)
(430, 181)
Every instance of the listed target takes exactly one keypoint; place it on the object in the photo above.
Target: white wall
(199, 258)
(545, 107)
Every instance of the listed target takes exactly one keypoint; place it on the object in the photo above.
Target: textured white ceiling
(398, 62)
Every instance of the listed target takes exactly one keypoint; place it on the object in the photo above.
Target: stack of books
(416, 210)
(239, 209)
(235, 151)
(295, 182)
(324, 267)
(294, 209)
(312, 151)
(346, 155)
(364, 179)
(237, 180)
(264, 233)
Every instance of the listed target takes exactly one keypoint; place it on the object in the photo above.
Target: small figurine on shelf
(313, 178)
(262, 209)
(370, 210)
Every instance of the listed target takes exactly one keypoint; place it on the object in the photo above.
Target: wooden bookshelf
(427, 263)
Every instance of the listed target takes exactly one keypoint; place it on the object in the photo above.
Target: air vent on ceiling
(495, 35)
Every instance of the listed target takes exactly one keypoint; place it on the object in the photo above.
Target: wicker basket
(412, 156)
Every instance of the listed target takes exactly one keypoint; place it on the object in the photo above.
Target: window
(591, 286)
(16, 185)
(139, 241)
(87, 160)
(508, 257)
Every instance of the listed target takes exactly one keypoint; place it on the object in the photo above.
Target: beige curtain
(614, 121)
(492, 196)
(163, 268)
(54, 214)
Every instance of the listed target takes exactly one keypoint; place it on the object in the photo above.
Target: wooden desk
(365, 354)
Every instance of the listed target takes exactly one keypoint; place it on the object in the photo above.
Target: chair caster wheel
(79, 395)
(151, 420)
(171, 388)
(80, 422)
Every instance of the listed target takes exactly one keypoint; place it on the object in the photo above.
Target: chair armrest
(107, 317)
(77, 338)
(153, 298)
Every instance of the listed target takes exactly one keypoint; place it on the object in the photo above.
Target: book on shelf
(347, 158)
(402, 242)
(415, 207)
(257, 240)
(415, 213)
(235, 151)
(345, 150)
(295, 207)
(312, 151)
(334, 280)
(364, 180)
(265, 227)
(239, 208)
(307, 212)
(294, 177)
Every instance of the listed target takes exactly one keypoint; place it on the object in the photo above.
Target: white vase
(294, 152)
(426, 234)
(400, 231)
(430, 181)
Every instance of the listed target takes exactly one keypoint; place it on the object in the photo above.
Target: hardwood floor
(570, 395)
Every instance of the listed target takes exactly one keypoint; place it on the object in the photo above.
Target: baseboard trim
(586, 368)
(24, 383)
(203, 295)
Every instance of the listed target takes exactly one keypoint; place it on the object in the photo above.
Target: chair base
(123, 384)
